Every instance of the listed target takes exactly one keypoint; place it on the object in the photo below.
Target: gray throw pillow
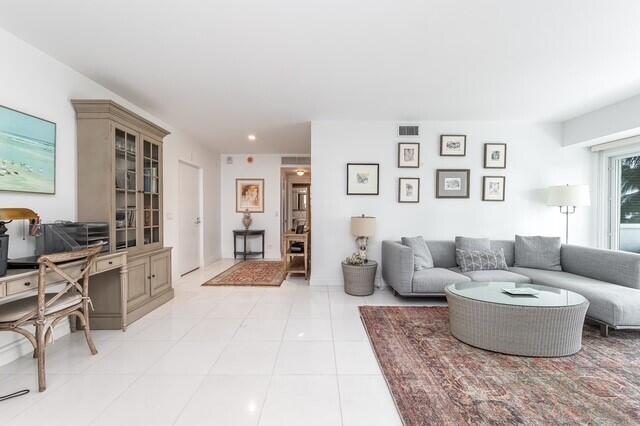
(538, 252)
(481, 260)
(466, 243)
(421, 255)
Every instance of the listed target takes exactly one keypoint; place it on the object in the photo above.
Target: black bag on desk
(4, 251)
(296, 248)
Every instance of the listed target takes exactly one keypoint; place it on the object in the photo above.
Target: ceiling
(220, 70)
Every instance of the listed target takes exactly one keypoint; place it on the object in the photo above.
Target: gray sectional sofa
(609, 279)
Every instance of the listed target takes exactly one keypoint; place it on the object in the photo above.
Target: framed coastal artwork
(408, 155)
(493, 188)
(453, 145)
(452, 183)
(27, 153)
(408, 190)
(250, 195)
(363, 179)
(495, 155)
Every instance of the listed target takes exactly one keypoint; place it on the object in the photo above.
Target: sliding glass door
(624, 202)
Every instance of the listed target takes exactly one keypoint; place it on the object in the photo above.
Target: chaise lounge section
(609, 279)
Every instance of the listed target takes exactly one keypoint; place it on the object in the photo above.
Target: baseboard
(21, 347)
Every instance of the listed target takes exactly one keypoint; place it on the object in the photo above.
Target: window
(624, 202)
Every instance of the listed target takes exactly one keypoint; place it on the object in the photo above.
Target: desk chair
(45, 311)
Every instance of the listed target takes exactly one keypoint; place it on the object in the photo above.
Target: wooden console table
(247, 233)
(290, 264)
(21, 283)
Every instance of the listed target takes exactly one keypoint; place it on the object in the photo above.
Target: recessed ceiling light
(251, 137)
(300, 172)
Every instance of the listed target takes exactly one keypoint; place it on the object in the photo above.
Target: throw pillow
(481, 260)
(466, 243)
(538, 252)
(421, 255)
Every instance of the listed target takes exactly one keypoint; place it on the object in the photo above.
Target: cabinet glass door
(126, 189)
(151, 159)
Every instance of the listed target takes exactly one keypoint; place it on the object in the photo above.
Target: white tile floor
(293, 355)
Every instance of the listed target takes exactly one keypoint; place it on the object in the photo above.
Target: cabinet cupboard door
(160, 273)
(139, 282)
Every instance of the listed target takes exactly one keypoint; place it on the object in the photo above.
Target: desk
(290, 264)
(20, 283)
(247, 233)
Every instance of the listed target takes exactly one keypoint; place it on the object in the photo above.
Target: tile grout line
(335, 359)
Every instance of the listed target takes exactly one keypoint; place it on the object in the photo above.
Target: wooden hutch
(119, 181)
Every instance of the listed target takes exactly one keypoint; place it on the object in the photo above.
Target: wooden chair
(45, 311)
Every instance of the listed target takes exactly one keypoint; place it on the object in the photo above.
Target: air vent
(408, 130)
(229, 160)
(288, 161)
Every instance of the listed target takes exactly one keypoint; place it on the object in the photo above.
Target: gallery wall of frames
(364, 178)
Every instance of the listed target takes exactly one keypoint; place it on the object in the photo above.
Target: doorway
(189, 217)
(295, 199)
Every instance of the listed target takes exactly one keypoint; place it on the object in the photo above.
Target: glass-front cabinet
(137, 190)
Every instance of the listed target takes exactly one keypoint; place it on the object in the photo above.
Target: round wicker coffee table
(486, 316)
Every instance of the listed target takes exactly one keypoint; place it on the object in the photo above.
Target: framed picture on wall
(28, 153)
(250, 195)
(453, 145)
(452, 183)
(493, 188)
(363, 179)
(408, 190)
(408, 155)
(495, 155)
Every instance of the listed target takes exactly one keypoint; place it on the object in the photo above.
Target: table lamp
(568, 197)
(363, 227)
(8, 215)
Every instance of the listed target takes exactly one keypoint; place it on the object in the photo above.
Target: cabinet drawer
(106, 264)
(24, 284)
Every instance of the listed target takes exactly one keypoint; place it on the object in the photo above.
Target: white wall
(616, 121)
(535, 160)
(265, 167)
(38, 84)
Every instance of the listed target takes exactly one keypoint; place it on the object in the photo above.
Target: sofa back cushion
(508, 247)
(443, 253)
(421, 254)
(468, 243)
(538, 252)
(616, 267)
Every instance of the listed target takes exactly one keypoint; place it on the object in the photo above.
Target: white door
(189, 217)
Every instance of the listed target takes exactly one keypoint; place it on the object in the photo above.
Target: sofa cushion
(434, 280)
(508, 246)
(443, 253)
(616, 305)
(497, 275)
(617, 267)
(421, 255)
(467, 243)
(480, 260)
(538, 252)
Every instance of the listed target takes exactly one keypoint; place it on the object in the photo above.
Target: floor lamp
(567, 198)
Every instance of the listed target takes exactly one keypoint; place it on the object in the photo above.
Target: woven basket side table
(359, 280)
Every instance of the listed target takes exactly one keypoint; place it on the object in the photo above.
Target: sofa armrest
(397, 266)
(617, 267)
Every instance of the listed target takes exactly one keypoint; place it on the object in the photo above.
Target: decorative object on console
(408, 190)
(408, 155)
(363, 179)
(567, 198)
(453, 145)
(8, 215)
(27, 153)
(246, 219)
(363, 227)
(452, 183)
(250, 195)
(493, 188)
(495, 155)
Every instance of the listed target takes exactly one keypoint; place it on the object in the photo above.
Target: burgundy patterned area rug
(251, 272)
(436, 379)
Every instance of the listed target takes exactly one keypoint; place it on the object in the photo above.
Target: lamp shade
(568, 195)
(363, 226)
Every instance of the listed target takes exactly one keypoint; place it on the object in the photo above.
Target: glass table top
(494, 292)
